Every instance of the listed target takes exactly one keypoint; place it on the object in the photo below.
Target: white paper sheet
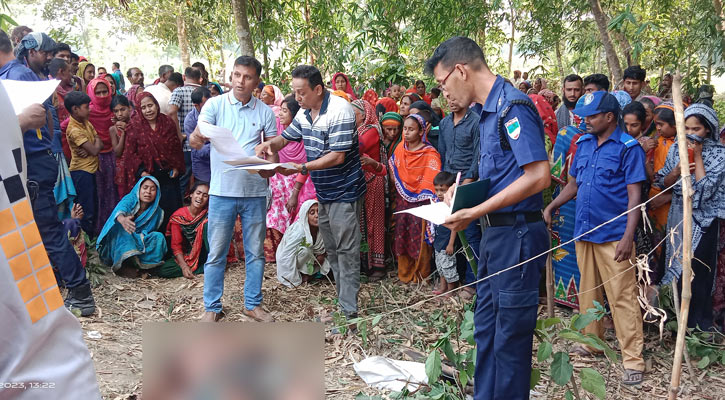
(223, 141)
(434, 212)
(24, 94)
(255, 164)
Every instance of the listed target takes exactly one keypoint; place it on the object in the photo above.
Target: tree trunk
(615, 69)
(717, 5)
(310, 55)
(513, 36)
(626, 48)
(241, 24)
(559, 63)
(182, 36)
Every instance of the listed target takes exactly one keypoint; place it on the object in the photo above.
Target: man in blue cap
(513, 156)
(609, 167)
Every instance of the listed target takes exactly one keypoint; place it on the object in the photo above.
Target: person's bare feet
(211, 316)
(258, 314)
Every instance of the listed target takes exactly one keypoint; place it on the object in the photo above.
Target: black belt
(509, 219)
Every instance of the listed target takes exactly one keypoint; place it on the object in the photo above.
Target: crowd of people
(129, 163)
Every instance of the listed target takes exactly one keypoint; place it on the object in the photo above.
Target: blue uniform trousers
(506, 309)
(42, 174)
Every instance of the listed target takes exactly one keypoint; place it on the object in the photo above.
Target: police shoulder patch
(513, 128)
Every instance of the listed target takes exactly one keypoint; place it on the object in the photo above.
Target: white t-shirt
(162, 94)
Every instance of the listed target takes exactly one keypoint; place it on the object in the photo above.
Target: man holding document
(514, 159)
(326, 124)
(235, 192)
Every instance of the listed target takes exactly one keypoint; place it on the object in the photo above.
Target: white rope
(447, 294)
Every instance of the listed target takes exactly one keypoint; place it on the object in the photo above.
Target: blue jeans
(223, 213)
(506, 307)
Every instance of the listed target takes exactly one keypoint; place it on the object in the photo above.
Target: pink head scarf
(348, 89)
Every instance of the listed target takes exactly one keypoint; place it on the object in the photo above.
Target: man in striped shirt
(326, 125)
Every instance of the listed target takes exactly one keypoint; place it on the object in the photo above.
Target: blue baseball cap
(597, 103)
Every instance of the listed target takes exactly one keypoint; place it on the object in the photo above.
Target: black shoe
(80, 298)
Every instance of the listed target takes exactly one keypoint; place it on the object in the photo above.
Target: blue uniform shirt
(524, 131)
(602, 174)
(16, 70)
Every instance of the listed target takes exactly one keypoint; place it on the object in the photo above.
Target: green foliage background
(382, 41)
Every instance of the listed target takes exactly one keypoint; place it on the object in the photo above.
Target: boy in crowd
(84, 145)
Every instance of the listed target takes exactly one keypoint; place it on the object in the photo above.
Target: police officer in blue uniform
(513, 157)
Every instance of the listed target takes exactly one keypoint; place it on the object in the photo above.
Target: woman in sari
(707, 168)
(718, 298)
(405, 103)
(273, 97)
(389, 104)
(100, 92)
(373, 157)
(187, 236)
(133, 94)
(340, 81)
(287, 191)
(392, 124)
(302, 254)
(413, 166)
(279, 215)
(548, 118)
(86, 72)
(153, 148)
(371, 96)
(129, 240)
(111, 81)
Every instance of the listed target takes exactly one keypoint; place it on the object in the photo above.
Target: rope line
(445, 294)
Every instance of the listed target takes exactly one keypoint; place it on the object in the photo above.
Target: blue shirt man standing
(514, 158)
(235, 193)
(609, 168)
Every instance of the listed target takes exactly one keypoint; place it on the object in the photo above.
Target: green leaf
(568, 395)
(377, 319)
(463, 377)
(436, 392)
(448, 351)
(704, 362)
(433, 366)
(593, 382)
(535, 377)
(561, 368)
(580, 321)
(544, 351)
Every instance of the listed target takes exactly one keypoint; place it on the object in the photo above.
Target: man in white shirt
(162, 91)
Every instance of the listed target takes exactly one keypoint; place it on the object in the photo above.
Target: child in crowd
(444, 242)
(121, 109)
(84, 145)
(634, 116)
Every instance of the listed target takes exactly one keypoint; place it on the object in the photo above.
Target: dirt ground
(114, 333)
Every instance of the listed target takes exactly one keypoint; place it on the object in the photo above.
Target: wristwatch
(304, 170)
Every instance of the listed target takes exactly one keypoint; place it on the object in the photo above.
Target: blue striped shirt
(332, 130)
